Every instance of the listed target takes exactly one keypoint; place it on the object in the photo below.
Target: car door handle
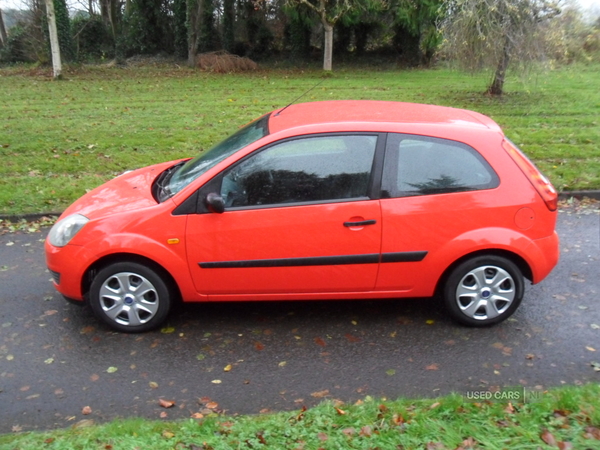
(362, 223)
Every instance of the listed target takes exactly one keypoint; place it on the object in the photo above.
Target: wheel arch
(107, 260)
(511, 256)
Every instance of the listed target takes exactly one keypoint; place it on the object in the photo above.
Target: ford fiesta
(324, 200)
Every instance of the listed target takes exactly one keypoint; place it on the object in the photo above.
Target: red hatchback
(324, 200)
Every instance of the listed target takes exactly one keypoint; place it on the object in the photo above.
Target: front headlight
(64, 230)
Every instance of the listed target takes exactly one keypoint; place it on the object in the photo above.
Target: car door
(298, 219)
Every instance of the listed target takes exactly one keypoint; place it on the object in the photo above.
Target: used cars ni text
(321, 200)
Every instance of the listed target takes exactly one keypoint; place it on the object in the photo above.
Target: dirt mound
(223, 62)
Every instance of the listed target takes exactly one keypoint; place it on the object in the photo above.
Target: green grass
(570, 416)
(59, 139)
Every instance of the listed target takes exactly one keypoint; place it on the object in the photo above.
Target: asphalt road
(56, 359)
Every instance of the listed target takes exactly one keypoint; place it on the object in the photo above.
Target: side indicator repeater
(173, 241)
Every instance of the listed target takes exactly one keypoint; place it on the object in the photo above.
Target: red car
(323, 200)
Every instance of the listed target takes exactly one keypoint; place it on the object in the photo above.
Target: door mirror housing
(215, 203)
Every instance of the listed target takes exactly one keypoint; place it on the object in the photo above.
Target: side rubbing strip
(294, 262)
(403, 257)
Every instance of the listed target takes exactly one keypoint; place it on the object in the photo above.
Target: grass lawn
(58, 139)
(566, 418)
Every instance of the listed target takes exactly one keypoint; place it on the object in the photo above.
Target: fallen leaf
(261, 438)
(322, 436)
(86, 410)
(595, 326)
(85, 423)
(49, 361)
(227, 368)
(430, 322)
(111, 369)
(282, 364)
(435, 405)
(320, 342)
(168, 434)
(216, 381)
(259, 346)
(591, 349)
(167, 330)
(548, 438)
(166, 403)
(366, 431)
(341, 412)
(94, 377)
(351, 338)
(565, 446)
(433, 366)
(153, 384)
(320, 394)
(349, 431)
(468, 443)
(592, 433)
(390, 372)
(163, 415)
(197, 416)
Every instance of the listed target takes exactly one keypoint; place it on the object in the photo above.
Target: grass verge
(564, 418)
(59, 139)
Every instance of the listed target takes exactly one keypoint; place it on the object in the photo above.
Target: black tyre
(130, 297)
(483, 290)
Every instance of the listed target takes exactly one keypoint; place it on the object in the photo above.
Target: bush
(93, 39)
(17, 48)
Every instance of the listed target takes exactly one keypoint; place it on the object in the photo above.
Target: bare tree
(330, 12)
(481, 34)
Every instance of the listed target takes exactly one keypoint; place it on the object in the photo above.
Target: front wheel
(483, 290)
(130, 297)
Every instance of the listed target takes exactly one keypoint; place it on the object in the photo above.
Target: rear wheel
(130, 297)
(484, 290)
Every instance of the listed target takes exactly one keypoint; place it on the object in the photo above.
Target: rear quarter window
(417, 165)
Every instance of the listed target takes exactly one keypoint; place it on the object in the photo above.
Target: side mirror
(215, 203)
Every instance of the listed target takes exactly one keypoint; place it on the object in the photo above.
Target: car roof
(375, 112)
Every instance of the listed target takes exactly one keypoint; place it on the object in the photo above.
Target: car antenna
(303, 94)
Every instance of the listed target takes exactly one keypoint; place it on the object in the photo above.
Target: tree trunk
(3, 36)
(194, 9)
(497, 86)
(328, 50)
(54, 47)
(228, 25)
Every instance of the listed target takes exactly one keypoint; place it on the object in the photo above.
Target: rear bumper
(547, 253)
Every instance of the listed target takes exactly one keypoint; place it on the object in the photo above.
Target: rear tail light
(539, 181)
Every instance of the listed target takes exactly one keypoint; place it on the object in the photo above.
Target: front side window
(417, 165)
(309, 169)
